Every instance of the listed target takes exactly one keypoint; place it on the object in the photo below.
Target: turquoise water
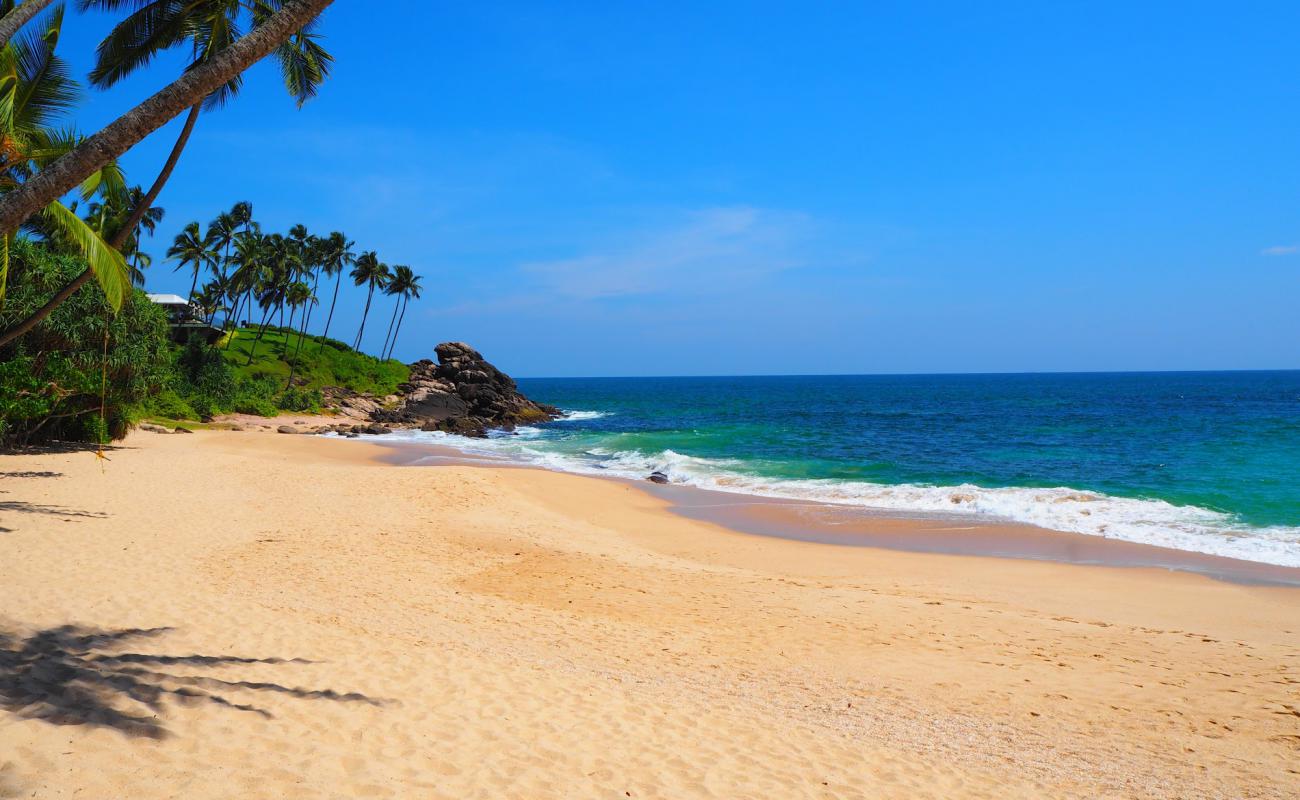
(1208, 462)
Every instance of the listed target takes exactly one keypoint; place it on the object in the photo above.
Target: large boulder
(462, 393)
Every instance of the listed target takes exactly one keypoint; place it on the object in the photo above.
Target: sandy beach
(244, 614)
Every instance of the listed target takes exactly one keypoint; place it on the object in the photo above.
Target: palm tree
(396, 288)
(16, 17)
(279, 22)
(35, 89)
(192, 249)
(108, 217)
(335, 255)
(299, 295)
(205, 27)
(140, 261)
(248, 263)
(369, 270)
(209, 300)
(410, 290)
(221, 234)
(295, 297)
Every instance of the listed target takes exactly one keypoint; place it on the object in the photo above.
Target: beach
(258, 615)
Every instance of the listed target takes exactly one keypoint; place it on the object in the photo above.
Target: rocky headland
(462, 393)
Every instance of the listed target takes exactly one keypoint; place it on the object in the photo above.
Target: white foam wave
(1153, 522)
(580, 416)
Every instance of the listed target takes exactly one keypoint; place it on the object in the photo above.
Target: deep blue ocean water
(1199, 461)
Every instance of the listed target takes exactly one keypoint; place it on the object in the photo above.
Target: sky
(781, 188)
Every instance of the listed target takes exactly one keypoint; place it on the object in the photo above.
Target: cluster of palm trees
(42, 159)
(274, 273)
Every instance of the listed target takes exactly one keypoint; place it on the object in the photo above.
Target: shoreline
(836, 524)
(263, 615)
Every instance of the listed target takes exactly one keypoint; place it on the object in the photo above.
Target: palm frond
(45, 86)
(107, 264)
(154, 26)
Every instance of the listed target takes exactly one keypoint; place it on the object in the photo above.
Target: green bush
(171, 405)
(297, 398)
(51, 378)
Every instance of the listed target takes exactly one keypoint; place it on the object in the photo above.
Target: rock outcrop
(462, 393)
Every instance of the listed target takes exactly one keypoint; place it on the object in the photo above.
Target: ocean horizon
(1205, 461)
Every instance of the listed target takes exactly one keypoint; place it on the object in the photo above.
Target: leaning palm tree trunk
(396, 304)
(337, 280)
(393, 345)
(266, 316)
(18, 17)
(364, 314)
(127, 130)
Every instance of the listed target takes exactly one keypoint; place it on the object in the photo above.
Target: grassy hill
(320, 362)
(207, 381)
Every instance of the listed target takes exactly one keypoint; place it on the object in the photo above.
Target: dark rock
(657, 477)
(286, 429)
(376, 429)
(462, 394)
(179, 429)
(152, 428)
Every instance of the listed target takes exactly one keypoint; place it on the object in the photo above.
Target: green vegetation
(83, 354)
(320, 362)
(35, 87)
(206, 380)
(51, 379)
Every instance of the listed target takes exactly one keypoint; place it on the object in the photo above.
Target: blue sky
(751, 188)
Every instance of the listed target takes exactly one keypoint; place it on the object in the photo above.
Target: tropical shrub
(52, 377)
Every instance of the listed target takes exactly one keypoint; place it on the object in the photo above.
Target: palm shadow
(23, 507)
(77, 676)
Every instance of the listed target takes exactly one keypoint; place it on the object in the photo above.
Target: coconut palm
(409, 284)
(205, 27)
(298, 296)
(17, 16)
(334, 256)
(396, 288)
(369, 270)
(247, 262)
(210, 299)
(192, 249)
(277, 23)
(108, 217)
(221, 234)
(140, 261)
(35, 90)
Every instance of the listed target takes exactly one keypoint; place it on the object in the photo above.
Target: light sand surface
(249, 615)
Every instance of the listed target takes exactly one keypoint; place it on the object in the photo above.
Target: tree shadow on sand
(79, 676)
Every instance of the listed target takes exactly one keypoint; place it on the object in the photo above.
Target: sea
(1206, 462)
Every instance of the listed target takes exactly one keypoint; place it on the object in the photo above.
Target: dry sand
(249, 615)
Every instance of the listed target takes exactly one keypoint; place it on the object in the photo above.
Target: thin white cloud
(1281, 250)
(711, 249)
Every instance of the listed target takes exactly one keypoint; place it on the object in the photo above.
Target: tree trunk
(127, 130)
(18, 17)
(364, 314)
(392, 321)
(401, 317)
(302, 333)
(306, 317)
(120, 135)
(337, 279)
(266, 315)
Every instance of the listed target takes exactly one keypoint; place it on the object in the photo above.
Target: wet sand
(953, 534)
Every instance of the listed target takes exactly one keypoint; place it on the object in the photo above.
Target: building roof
(168, 299)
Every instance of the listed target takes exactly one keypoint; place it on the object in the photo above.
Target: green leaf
(106, 263)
